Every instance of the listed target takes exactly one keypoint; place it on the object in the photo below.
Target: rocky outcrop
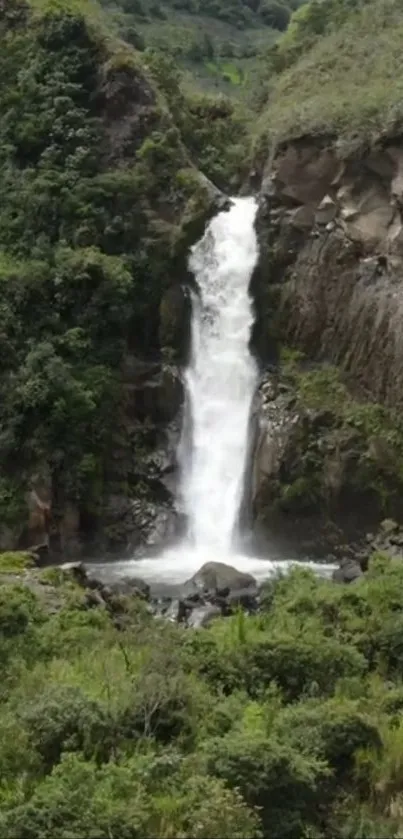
(287, 475)
(386, 543)
(388, 540)
(321, 477)
(332, 255)
(153, 392)
(348, 571)
(126, 102)
(201, 600)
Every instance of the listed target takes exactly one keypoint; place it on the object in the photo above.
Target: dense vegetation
(98, 189)
(237, 12)
(216, 42)
(280, 725)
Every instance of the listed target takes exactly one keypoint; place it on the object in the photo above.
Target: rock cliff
(329, 285)
(332, 240)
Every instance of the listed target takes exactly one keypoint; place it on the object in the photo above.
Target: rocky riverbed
(215, 590)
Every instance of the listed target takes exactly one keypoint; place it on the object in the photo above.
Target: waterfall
(220, 383)
(221, 378)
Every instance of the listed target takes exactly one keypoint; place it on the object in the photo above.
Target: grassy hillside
(338, 70)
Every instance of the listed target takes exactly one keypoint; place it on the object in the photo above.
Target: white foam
(177, 566)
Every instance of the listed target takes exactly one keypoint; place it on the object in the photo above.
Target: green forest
(120, 124)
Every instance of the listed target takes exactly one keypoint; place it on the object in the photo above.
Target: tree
(275, 14)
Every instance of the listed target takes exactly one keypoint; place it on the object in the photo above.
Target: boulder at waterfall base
(216, 576)
(202, 616)
(348, 571)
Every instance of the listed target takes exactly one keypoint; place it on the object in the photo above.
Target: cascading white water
(221, 377)
(220, 383)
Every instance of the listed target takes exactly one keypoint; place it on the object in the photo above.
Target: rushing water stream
(220, 381)
(221, 378)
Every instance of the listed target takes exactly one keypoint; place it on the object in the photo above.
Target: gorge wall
(330, 287)
(335, 241)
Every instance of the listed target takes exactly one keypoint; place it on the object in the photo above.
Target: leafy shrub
(270, 775)
(296, 664)
(15, 752)
(202, 654)
(334, 731)
(275, 14)
(19, 611)
(63, 720)
(113, 801)
(160, 707)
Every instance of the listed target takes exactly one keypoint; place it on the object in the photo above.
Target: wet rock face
(137, 511)
(153, 392)
(137, 525)
(331, 235)
(142, 515)
(284, 503)
(175, 319)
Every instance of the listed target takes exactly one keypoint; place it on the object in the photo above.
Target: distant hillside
(336, 71)
(216, 43)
